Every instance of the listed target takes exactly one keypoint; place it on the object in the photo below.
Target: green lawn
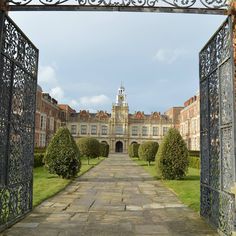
(188, 189)
(47, 185)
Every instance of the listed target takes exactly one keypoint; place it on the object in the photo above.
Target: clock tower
(121, 97)
(119, 122)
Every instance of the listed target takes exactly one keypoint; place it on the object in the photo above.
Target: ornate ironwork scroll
(18, 83)
(174, 3)
(218, 129)
(197, 6)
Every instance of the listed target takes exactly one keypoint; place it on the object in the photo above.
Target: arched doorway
(119, 146)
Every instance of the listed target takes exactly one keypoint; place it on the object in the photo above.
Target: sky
(84, 56)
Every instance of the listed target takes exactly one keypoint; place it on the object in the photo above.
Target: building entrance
(119, 146)
(18, 83)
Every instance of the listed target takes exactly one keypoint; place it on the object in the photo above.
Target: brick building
(65, 113)
(174, 114)
(49, 117)
(120, 128)
(190, 122)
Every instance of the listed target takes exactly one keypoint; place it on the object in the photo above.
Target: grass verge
(47, 185)
(188, 189)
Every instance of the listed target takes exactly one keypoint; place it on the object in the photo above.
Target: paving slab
(118, 198)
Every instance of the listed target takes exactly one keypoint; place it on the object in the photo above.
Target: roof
(66, 107)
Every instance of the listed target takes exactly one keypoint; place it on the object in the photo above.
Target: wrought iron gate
(18, 84)
(218, 129)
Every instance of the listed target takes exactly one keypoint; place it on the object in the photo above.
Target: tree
(147, 151)
(89, 147)
(62, 155)
(104, 149)
(172, 157)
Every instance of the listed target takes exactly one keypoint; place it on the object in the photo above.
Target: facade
(49, 117)
(190, 123)
(119, 128)
(46, 118)
(65, 112)
(174, 114)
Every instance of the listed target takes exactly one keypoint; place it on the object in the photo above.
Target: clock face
(122, 98)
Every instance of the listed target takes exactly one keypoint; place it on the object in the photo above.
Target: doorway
(119, 146)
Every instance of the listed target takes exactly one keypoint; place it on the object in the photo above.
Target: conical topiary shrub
(62, 155)
(172, 156)
(147, 151)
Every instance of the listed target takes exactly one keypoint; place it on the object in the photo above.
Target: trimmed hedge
(38, 159)
(104, 149)
(130, 151)
(194, 153)
(40, 149)
(172, 158)
(135, 147)
(148, 150)
(62, 155)
(89, 147)
(133, 150)
(194, 162)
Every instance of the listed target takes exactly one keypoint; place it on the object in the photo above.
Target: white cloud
(95, 100)
(48, 80)
(84, 86)
(57, 93)
(73, 103)
(47, 75)
(169, 55)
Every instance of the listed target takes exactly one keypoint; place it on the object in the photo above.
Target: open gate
(18, 84)
(217, 108)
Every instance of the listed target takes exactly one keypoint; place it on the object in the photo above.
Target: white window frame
(51, 124)
(165, 130)
(73, 129)
(155, 131)
(144, 131)
(134, 131)
(82, 129)
(93, 129)
(43, 121)
(104, 129)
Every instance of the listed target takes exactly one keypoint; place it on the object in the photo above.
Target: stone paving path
(116, 197)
